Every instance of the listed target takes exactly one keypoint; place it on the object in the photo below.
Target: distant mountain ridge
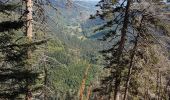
(76, 7)
(77, 16)
(79, 12)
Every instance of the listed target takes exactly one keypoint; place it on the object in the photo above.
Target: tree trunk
(45, 80)
(131, 63)
(130, 69)
(118, 96)
(29, 35)
(89, 92)
(117, 88)
(125, 26)
(120, 48)
(29, 19)
(82, 87)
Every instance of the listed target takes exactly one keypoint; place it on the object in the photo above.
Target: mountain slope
(69, 51)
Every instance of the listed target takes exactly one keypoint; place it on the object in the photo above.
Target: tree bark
(130, 69)
(29, 19)
(131, 62)
(121, 46)
(29, 35)
(125, 27)
(117, 88)
(82, 88)
(89, 92)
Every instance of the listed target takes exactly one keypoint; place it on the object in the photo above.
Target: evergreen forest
(84, 49)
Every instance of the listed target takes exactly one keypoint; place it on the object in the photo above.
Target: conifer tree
(129, 30)
(17, 77)
(29, 19)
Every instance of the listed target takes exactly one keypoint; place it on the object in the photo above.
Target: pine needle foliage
(15, 71)
(130, 29)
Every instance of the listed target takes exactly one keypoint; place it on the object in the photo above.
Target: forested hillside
(84, 50)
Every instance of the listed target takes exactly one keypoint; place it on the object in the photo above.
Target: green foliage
(8, 7)
(66, 69)
(16, 69)
(128, 27)
(9, 25)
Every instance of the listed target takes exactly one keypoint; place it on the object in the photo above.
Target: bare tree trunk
(89, 92)
(29, 19)
(117, 88)
(130, 69)
(125, 26)
(120, 48)
(118, 96)
(81, 90)
(131, 63)
(29, 35)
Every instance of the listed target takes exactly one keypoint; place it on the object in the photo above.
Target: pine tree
(29, 31)
(128, 29)
(17, 77)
